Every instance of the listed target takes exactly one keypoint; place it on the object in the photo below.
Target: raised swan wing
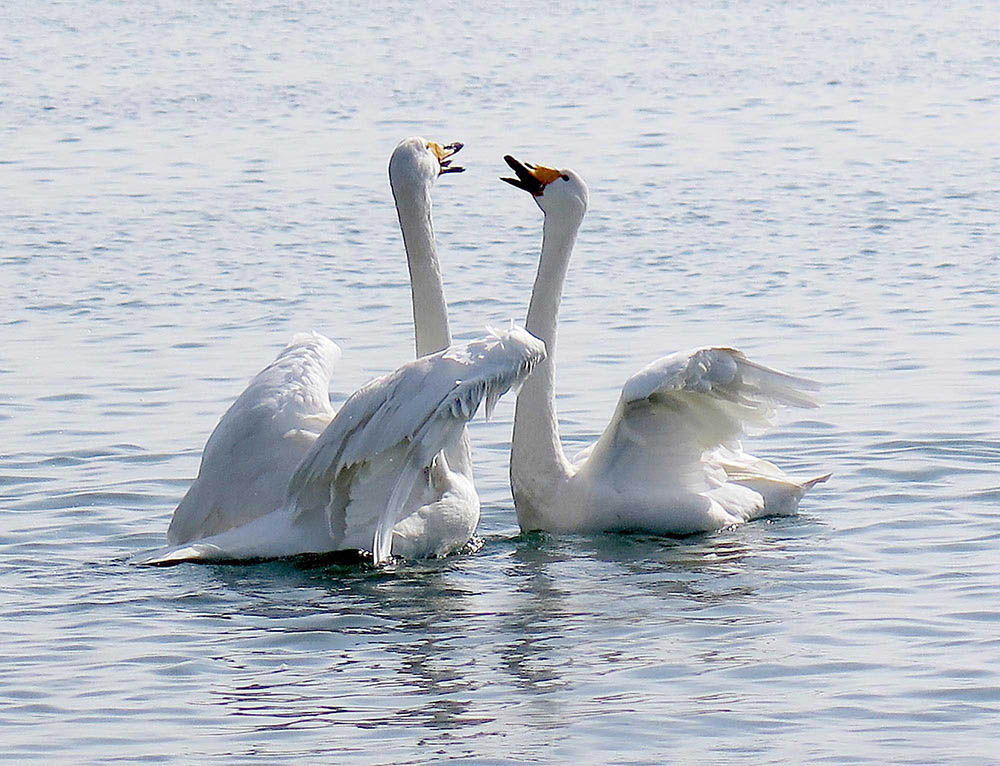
(259, 441)
(363, 470)
(674, 410)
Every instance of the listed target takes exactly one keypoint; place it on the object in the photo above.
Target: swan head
(416, 159)
(552, 189)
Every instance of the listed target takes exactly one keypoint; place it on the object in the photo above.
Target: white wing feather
(362, 472)
(682, 405)
(259, 441)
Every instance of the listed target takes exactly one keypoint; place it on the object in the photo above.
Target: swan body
(669, 461)
(378, 478)
(254, 451)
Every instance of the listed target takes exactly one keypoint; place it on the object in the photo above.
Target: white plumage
(230, 511)
(397, 427)
(377, 479)
(260, 440)
(669, 461)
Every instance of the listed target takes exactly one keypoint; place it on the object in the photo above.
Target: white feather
(259, 441)
(394, 427)
(361, 477)
(669, 460)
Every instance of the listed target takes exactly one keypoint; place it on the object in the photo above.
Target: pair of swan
(391, 472)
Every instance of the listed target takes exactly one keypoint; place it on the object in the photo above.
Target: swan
(251, 454)
(377, 478)
(669, 461)
(260, 441)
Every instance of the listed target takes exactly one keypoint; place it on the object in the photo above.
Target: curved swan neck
(430, 310)
(538, 462)
(558, 238)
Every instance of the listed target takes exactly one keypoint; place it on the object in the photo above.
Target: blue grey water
(186, 184)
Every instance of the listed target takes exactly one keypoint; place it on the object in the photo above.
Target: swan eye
(564, 177)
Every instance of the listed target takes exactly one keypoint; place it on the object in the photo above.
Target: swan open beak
(443, 153)
(531, 178)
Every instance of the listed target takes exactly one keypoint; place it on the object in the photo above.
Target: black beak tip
(525, 179)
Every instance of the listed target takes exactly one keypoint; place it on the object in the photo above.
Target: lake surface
(184, 185)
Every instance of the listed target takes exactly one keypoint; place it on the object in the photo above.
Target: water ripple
(177, 210)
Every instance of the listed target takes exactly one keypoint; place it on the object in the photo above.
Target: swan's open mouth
(532, 178)
(443, 153)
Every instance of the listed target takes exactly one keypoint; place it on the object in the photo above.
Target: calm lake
(184, 185)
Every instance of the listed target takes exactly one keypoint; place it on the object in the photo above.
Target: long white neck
(430, 311)
(537, 461)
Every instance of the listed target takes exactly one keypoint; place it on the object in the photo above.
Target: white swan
(377, 478)
(669, 461)
(253, 452)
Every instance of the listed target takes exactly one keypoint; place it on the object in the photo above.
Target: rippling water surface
(184, 185)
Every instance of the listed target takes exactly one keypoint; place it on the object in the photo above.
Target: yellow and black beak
(443, 153)
(532, 178)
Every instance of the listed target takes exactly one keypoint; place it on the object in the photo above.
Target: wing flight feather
(681, 405)
(394, 426)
